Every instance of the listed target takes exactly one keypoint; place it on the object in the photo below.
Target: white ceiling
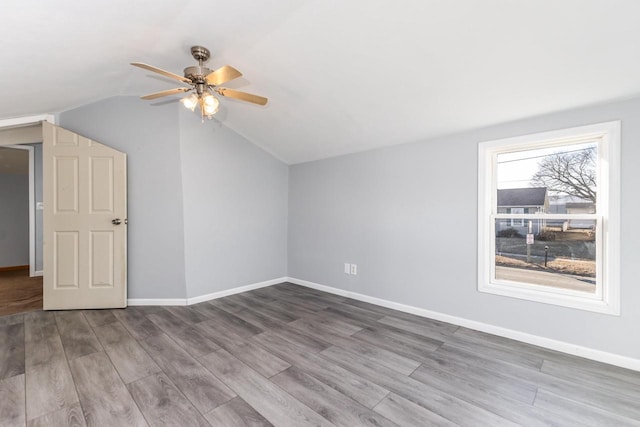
(341, 76)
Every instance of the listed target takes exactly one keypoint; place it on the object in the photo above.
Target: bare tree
(572, 173)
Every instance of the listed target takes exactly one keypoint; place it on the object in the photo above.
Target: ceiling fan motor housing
(196, 73)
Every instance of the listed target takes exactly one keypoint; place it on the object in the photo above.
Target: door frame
(20, 122)
(32, 212)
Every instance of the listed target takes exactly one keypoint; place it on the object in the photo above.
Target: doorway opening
(21, 260)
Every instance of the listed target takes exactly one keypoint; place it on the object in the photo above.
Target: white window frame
(607, 296)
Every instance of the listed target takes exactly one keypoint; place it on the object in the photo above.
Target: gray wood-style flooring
(291, 356)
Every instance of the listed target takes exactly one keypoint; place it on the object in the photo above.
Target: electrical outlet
(354, 269)
(347, 268)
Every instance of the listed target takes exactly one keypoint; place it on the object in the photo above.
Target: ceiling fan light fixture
(210, 104)
(190, 101)
(209, 111)
(209, 99)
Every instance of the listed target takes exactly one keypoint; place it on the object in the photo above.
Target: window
(548, 217)
(516, 222)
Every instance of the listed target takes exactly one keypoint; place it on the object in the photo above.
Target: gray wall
(407, 215)
(235, 208)
(149, 134)
(207, 208)
(14, 220)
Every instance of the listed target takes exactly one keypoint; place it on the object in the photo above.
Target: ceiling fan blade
(163, 72)
(166, 93)
(244, 96)
(222, 75)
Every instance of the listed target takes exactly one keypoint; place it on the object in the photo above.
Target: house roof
(341, 77)
(522, 196)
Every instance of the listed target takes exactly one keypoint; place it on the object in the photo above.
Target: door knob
(116, 221)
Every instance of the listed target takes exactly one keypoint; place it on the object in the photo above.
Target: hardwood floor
(19, 293)
(291, 356)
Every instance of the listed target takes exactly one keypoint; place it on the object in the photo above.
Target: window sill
(547, 295)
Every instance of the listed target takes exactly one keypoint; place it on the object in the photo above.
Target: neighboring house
(522, 201)
(572, 205)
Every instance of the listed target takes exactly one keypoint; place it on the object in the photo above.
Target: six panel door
(85, 226)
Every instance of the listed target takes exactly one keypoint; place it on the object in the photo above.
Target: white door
(85, 231)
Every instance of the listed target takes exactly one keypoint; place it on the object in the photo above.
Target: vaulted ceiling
(341, 76)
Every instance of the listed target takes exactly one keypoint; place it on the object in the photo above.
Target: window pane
(561, 255)
(560, 179)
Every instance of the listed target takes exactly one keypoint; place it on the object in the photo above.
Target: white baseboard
(156, 301)
(565, 347)
(237, 290)
(202, 298)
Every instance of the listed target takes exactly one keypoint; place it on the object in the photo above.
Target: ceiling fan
(202, 83)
